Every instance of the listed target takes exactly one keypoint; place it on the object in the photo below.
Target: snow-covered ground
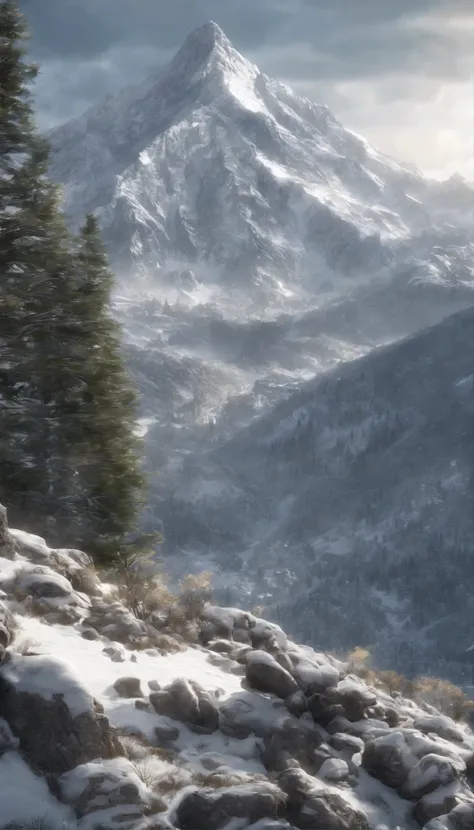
(250, 717)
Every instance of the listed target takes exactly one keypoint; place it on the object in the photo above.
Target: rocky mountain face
(191, 716)
(258, 244)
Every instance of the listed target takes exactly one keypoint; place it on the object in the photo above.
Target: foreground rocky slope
(109, 721)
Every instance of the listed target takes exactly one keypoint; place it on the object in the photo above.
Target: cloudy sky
(400, 72)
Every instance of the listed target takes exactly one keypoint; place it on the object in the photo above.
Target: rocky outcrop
(266, 675)
(188, 702)
(8, 547)
(208, 809)
(389, 758)
(308, 737)
(128, 687)
(47, 709)
(102, 785)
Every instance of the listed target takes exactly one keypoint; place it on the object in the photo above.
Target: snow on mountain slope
(213, 164)
(235, 728)
(359, 485)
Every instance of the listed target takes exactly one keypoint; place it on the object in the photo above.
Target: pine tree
(103, 431)
(68, 456)
(33, 261)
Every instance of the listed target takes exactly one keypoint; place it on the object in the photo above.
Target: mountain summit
(212, 165)
(203, 43)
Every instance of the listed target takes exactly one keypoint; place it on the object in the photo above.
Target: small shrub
(195, 593)
(140, 590)
(217, 780)
(28, 648)
(358, 658)
(10, 622)
(447, 698)
(85, 580)
(39, 823)
(393, 682)
(147, 595)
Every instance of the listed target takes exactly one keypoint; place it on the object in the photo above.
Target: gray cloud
(393, 51)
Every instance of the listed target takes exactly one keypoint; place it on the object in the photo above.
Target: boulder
(128, 687)
(89, 634)
(292, 740)
(440, 725)
(115, 621)
(116, 652)
(313, 677)
(439, 803)
(8, 546)
(430, 773)
(354, 696)
(328, 810)
(389, 759)
(296, 704)
(462, 817)
(101, 785)
(346, 745)
(334, 769)
(188, 702)
(266, 675)
(209, 809)
(323, 709)
(165, 734)
(239, 717)
(311, 806)
(56, 721)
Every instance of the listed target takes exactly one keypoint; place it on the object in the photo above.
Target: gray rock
(292, 740)
(266, 675)
(389, 759)
(89, 634)
(440, 725)
(209, 809)
(116, 653)
(53, 738)
(439, 803)
(334, 769)
(354, 696)
(309, 807)
(188, 702)
(346, 745)
(103, 785)
(462, 817)
(8, 546)
(430, 773)
(166, 734)
(128, 687)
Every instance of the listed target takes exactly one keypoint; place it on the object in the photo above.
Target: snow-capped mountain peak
(207, 56)
(205, 44)
(212, 167)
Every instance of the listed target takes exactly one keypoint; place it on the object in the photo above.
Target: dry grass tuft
(85, 580)
(447, 698)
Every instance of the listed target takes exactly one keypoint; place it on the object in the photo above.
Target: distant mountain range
(258, 243)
